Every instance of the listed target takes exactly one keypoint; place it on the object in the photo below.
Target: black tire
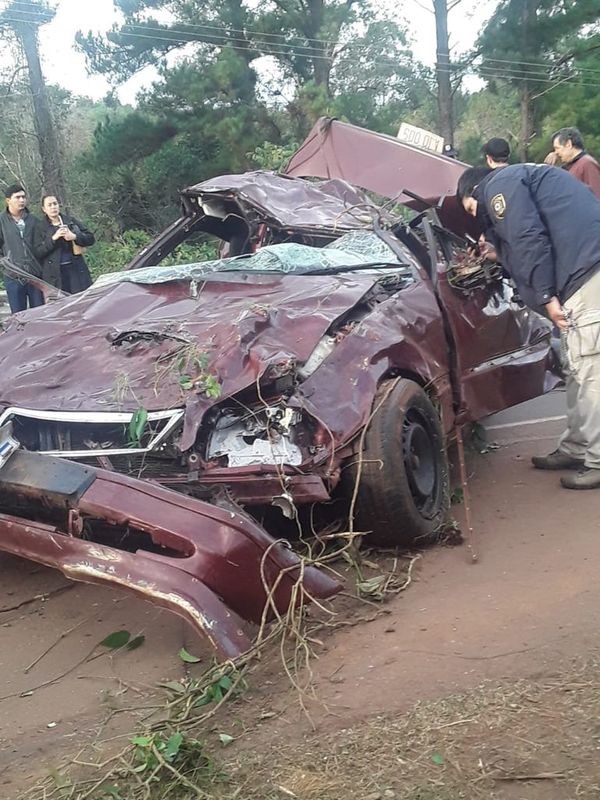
(403, 494)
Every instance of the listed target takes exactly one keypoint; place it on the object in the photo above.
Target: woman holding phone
(58, 244)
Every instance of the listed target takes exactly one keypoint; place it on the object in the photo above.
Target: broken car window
(356, 249)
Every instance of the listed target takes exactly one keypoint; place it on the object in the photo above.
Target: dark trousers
(65, 277)
(22, 296)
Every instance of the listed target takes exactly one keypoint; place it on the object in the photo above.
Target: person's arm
(590, 174)
(44, 242)
(83, 236)
(525, 240)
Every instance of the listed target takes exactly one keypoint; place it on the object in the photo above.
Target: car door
(502, 351)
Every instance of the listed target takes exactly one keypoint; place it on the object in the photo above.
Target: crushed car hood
(117, 348)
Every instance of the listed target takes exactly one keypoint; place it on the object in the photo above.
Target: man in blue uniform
(546, 229)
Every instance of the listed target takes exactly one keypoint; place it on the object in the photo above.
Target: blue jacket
(546, 226)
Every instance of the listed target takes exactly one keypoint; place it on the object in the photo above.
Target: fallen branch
(62, 636)
(181, 778)
(37, 597)
(540, 776)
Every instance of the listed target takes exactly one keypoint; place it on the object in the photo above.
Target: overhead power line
(281, 50)
(284, 41)
(284, 49)
(205, 26)
(276, 36)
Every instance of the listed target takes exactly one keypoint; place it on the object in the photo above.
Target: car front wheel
(402, 473)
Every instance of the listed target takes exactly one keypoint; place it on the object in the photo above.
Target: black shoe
(585, 479)
(557, 460)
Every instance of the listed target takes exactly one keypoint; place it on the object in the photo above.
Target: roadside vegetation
(238, 86)
(208, 738)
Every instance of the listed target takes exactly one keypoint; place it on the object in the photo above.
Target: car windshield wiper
(321, 270)
(355, 267)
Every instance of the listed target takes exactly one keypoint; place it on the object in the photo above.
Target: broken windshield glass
(358, 249)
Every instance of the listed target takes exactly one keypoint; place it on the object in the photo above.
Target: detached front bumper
(217, 568)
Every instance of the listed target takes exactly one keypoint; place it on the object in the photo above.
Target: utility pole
(525, 89)
(442, 71)
(26, 26)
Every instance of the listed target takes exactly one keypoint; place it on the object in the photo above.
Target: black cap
(496, 148)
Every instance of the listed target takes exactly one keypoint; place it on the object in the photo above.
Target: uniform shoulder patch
(499, 206)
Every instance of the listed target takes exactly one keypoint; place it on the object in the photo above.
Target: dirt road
(525, 610)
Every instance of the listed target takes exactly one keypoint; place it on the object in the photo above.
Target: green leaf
(212, 388)
(116, 640)
(141, 741)
(225, 739)
(202, 362)
(174, 686)
(188, 657)
(136, 642)
(437, 759)
(112, 791)
(137, 426)
(205, 700)
(185, 382)
(373, 588)
(173, 745)
(225, 683)
(217, 693)
(457, 497)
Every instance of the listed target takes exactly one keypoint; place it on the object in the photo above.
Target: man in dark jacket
(17, 227)
(546, 228)
(496, 152)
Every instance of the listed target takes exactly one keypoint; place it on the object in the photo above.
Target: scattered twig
(181, 778)
(470, 536)
(62, 636)
(37, 598)
(540, 776)
(51, 681)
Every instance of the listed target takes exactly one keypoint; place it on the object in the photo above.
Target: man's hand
(487, 250)
(556, 313)
(551, 159)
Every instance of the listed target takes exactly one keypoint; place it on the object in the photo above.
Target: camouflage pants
(582, 349)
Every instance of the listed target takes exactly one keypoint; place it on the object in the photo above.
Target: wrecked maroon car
(330, 356)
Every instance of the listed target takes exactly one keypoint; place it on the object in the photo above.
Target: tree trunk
(53, 182)
(525, 91)
(442, 70)
(526, 120)
(313, 22)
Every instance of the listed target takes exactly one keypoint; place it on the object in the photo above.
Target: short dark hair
(498, 149)
(470, 178)
(14, 188)
(564, 134)
(46, 196)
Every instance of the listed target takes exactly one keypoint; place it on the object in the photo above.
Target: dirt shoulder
(523, 740)
(514, 623)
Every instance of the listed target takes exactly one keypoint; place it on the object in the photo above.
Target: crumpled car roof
(374, 161)
(292, 202)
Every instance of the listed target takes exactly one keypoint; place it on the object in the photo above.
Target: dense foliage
(239, 84)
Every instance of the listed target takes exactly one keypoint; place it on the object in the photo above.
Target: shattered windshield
(357, 249)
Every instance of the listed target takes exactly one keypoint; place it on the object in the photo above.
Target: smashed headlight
(263, 435)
